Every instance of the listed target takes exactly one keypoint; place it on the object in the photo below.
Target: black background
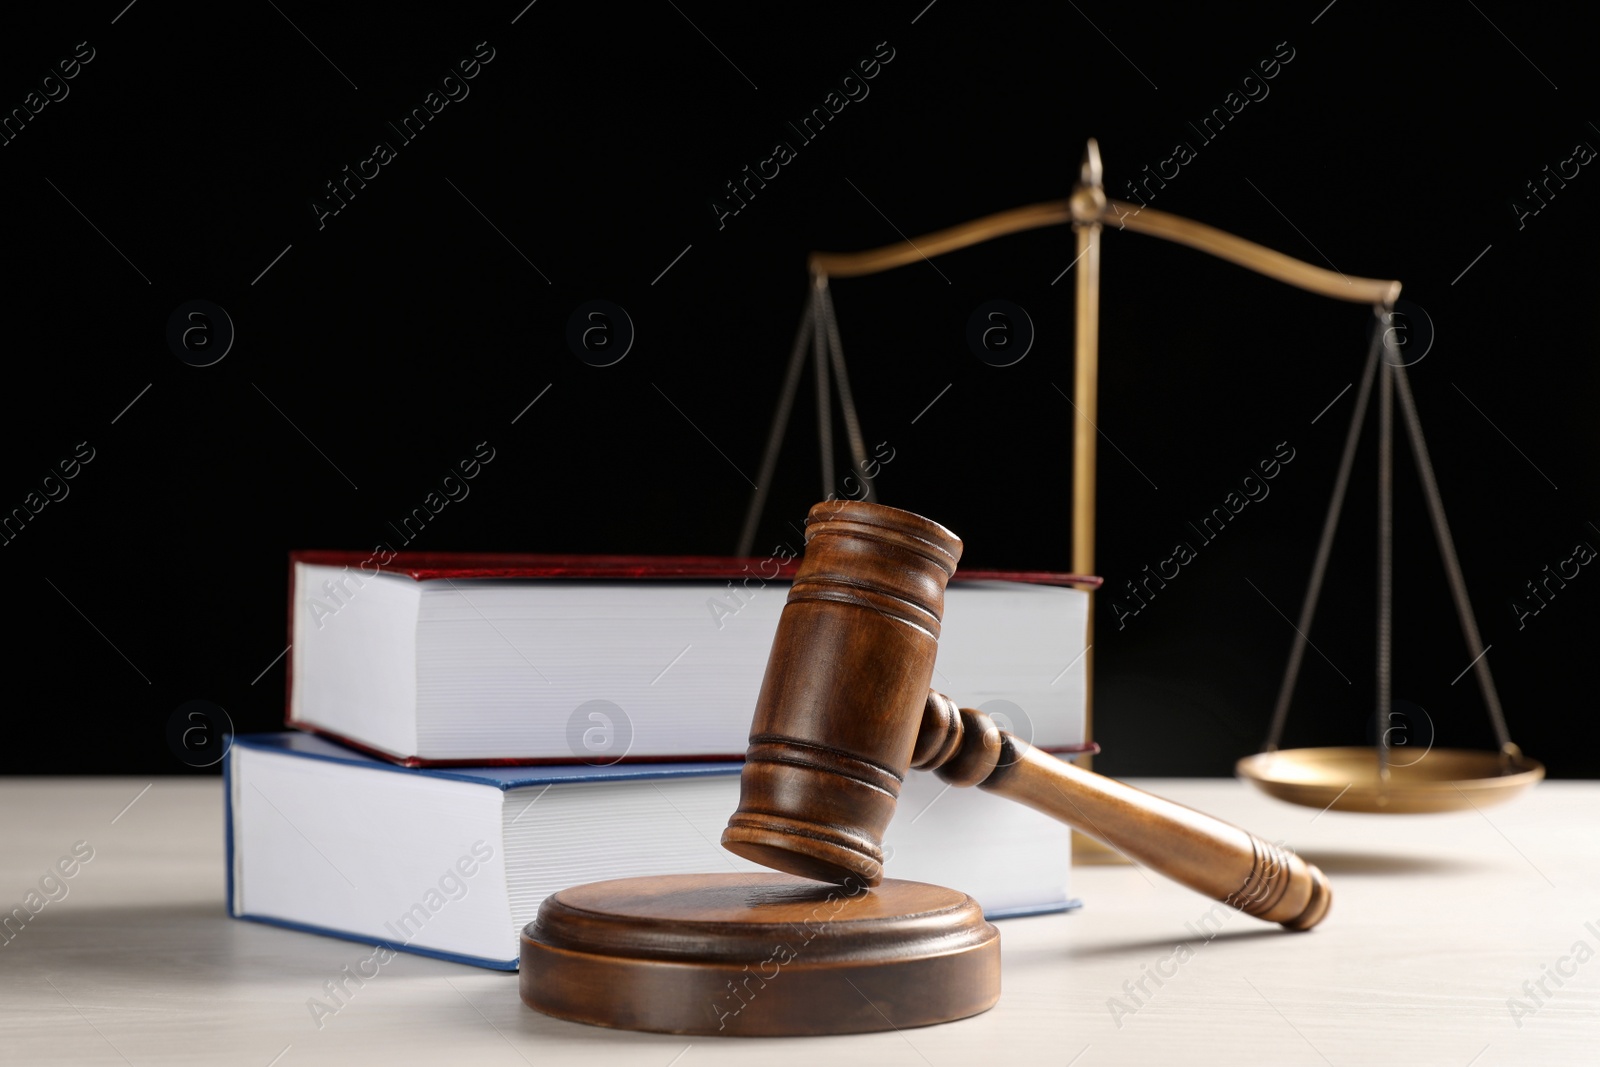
(428, 313)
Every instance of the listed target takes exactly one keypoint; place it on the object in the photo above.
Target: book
(453, 862)
(437, 659)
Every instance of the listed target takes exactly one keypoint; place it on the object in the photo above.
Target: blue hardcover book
(453, 863)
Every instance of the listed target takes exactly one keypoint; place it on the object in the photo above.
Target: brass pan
(1347, 779)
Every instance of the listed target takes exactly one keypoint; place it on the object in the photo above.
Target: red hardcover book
(470, 658)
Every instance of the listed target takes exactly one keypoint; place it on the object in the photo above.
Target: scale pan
(1346, 779)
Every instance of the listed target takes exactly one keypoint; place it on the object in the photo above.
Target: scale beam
(1123, 216)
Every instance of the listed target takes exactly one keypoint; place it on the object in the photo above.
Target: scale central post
(1088, 205)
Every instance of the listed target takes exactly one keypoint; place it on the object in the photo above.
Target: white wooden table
(1436, 924)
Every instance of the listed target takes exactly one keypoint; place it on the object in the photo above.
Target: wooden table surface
(1437, 923)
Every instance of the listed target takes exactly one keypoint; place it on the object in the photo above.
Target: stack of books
(474, 732)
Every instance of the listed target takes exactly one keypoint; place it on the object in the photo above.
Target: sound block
(759, 955)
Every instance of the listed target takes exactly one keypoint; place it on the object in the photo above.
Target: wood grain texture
(759, 955)
(1259, 877)
(842, 697)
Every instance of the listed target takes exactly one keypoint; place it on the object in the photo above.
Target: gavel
(846, 711)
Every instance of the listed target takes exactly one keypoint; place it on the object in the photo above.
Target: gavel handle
(1208, 855)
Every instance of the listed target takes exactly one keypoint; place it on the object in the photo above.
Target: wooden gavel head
(843, 698)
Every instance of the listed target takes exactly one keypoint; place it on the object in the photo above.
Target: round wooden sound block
(759, 955)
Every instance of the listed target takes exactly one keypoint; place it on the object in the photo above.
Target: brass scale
(1357, 779)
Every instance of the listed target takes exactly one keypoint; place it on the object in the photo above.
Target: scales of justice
(845, 711)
